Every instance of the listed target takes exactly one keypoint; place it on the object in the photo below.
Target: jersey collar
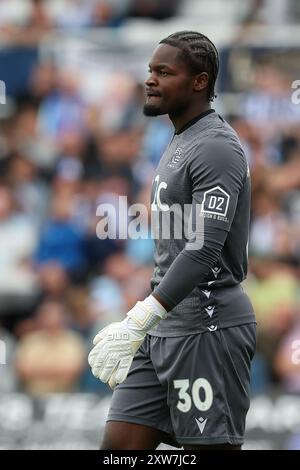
(194, 120)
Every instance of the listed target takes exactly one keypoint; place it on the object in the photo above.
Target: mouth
(152, 94)
(152, 99)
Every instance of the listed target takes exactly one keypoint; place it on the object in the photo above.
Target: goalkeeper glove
(116, 344)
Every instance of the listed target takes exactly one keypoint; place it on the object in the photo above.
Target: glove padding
(115, 347)
(116, 344)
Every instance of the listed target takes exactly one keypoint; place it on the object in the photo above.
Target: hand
(116, 344)
(115, 347)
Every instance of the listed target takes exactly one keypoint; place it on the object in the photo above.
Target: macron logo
(201, 423)
(210, 311)
(216, 271)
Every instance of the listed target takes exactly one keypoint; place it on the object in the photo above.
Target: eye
(163, 73)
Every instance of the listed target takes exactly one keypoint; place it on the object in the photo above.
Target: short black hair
(199, 53)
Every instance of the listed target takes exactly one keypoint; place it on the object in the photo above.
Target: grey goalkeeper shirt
(200, 210)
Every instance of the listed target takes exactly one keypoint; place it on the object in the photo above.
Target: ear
(201, 81)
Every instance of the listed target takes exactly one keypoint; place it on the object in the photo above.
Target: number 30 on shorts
(203, 403)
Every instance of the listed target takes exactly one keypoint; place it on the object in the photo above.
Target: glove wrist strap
(145, 315)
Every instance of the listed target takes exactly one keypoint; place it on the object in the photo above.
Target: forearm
(187, 271)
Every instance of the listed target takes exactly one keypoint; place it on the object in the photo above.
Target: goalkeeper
(179, 363)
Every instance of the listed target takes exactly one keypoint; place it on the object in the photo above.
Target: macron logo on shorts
(201, 423)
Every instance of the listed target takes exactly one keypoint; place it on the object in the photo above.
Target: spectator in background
(269, 232)
(268, 106)
(22, 137)
(61, 241)
(107, 290)
(63, 110)
(43, 80)
(34, 22)
(18, 238)
(30, 190)
(273, 289)
(53, 280)
(51, 358)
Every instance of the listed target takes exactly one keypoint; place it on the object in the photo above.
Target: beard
(151, 110)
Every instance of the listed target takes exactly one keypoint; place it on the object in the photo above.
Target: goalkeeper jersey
(200, 210)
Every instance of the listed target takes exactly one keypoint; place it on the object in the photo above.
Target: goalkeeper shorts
(194, 388)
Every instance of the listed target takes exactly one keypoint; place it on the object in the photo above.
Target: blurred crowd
(59, 283)
(28, 21)
(61, 157)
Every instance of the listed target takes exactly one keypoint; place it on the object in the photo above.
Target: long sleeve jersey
(200, 209)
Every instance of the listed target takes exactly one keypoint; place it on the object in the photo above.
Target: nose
(151, 80)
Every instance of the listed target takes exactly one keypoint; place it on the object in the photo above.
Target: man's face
(170, 85)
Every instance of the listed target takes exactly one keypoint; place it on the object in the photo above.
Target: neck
(180, 120)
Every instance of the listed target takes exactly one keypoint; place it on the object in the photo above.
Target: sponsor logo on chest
(175, 159)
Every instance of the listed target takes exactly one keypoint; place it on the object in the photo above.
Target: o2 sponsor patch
(215, 202)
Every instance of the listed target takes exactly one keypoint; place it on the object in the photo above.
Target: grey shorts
(195, 388)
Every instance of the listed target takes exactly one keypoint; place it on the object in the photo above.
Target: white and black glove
(117, 343)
